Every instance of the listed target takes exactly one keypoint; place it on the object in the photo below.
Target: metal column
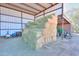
(62, 20)
(21, 23)
(34, 18)
(44, 14)
(0, 21)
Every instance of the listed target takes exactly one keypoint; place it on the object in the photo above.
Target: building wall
(67, 27)
(9, 16)
(11, 21)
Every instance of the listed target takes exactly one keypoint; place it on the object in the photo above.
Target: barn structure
(66, 23)
(14, 16)
(13, 20)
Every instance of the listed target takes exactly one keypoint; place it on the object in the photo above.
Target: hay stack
(33, 34)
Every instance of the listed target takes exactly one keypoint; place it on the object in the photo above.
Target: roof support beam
(62, 22)
(44, 14)
(16, 9)
(29, 6)
(50, 11)
(50, 3)
(40, 5)
(20, 7)
(0, 21)
(34, 18)
(47, 8)
(21, 21)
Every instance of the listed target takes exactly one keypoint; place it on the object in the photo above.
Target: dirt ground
(17, 47)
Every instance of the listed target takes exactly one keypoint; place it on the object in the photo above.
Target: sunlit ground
(16, 46)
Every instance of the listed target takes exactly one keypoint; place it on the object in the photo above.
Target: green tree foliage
(74, 16)
(75, 20)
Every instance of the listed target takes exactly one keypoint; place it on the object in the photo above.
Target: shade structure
(29, 8)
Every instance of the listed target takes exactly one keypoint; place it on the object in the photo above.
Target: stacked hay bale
(32, 31)
(49, 33)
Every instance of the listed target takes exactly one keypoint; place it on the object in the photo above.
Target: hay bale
(33, 31)
(30, 38)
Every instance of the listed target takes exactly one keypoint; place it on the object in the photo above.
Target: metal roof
(29, 8)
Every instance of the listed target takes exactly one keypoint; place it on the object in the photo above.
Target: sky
(70, 6)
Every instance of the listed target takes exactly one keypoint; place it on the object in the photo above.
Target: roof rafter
(16, 9)
(50, 3)
(47, 8)
(40, 5)
(29, 6)
(21, 8)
